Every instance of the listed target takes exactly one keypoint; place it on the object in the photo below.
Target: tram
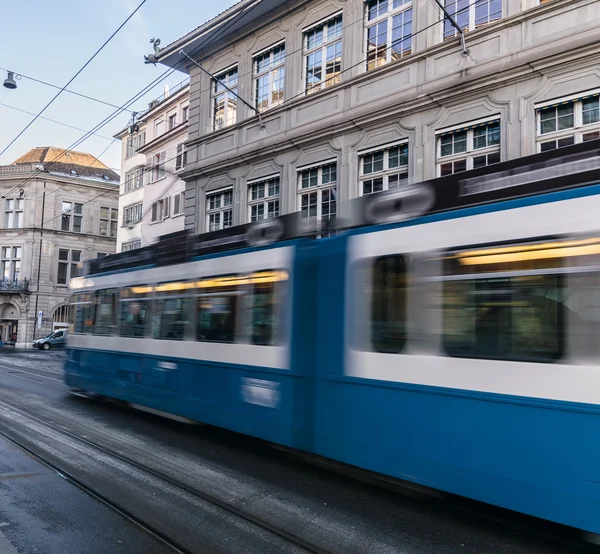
(446, 333)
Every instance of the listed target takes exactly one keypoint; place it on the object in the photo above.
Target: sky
(51, 41)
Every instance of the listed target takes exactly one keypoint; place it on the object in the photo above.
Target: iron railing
(14, 286)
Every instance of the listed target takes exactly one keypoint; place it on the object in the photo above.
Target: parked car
(56, 339)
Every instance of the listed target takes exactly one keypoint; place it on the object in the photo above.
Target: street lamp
(9, 82)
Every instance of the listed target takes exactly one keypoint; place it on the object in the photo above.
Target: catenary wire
(74, 77)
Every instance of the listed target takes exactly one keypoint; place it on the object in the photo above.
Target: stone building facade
(152, 194)
(360, 96)
(57, 209)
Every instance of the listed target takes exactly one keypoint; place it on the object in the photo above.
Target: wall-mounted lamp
(9, 82)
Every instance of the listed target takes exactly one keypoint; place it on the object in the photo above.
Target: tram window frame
(374, 337)
(145, 298)
(100, 303)
(87, 329)
(186, 308)
(498, 287)
(233, 331)
(274, 330)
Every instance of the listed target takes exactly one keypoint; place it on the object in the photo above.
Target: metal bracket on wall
(465, 51)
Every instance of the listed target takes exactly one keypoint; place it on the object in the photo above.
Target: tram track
(292, 539)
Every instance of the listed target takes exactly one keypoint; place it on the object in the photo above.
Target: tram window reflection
(217, 308)
(264, 304)
(134, 311)
(83, 312)
(388, 304)
(106, 312)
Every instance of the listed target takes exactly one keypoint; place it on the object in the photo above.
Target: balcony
(10, 287)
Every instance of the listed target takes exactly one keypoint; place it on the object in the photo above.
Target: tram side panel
(244, 387)
(513, 427)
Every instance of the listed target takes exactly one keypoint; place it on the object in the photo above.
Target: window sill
(177, 215)
(157, 180)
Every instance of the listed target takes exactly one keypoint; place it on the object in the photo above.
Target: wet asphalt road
(337, 513)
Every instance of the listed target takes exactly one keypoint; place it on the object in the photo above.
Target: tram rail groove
(294, 540)
(114, 506)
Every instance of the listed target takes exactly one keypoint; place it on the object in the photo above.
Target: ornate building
(58, 209)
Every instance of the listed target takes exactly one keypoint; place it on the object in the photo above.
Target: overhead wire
(136, 97)
(112, 116)
(93, 99)
(52, 120)
(74, 77)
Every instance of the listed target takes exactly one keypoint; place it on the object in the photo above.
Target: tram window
(106, 312)
(264, 304)
(583, 309)
(501, 316)
(388, 304)
(83, 312)
(217, 305)
(134, 311)
(172, 311)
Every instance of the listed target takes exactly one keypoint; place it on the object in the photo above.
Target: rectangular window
(134, 143)
(10, 263)
(264, 303)
(323, 55)
(383, 169)
(172, 121)
(161, 209)
(72, 217)
(217, 307)
(224, 102)
(13, 213)
(134, 311)
(389, 31)
(131, 245)
(181, 157)
(178, 203)
(219, 210)
(173, 307)
(134, 179)
(68, 261)
(106, 312)
(158, 166)
(269, 78)
(83, 312)
(132, 214)
(263, 199)
(159, 127)
(470, 14)
(388, 304)
(318, 193)
(508, 301)
(568, 122)
(467, 148)
(109, 218)
(185, 113)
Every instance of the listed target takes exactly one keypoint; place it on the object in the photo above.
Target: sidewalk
(42, 513)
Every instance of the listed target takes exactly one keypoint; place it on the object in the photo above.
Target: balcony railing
(14, 286)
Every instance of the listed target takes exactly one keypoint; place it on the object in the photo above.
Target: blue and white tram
(457, 348)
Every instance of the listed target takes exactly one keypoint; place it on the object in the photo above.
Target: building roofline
(246, 12)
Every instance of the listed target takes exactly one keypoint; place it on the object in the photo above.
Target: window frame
(180, 156)
(161, 209)
(181, 210)
(215, 93)
(579, 129)
(387, 17)
(14, 260)
(472, 23)
(223, 208)
(134, 179)
(16, 212)
(70, 263)
(72, 215)
(319, 188)
(266, 199)
(275, 65)
(109, 222)
(132, 244)
(322, 47)
(386, 172)
(470, 152)
(136, 210)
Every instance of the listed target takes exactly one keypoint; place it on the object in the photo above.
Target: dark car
(57, 339)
